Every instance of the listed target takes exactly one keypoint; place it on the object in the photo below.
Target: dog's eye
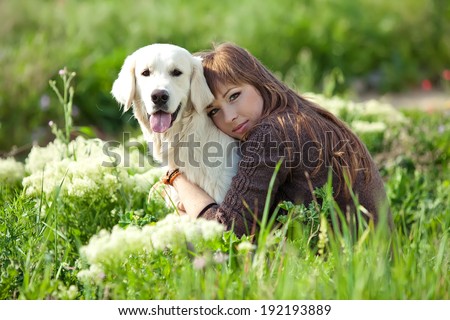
(146, 73)
(176, 73)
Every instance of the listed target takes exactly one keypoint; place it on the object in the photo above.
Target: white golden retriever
(165, 85)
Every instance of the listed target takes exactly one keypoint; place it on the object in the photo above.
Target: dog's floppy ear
(123, 89)
(201, 96)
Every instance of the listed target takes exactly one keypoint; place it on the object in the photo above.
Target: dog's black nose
(160, 97)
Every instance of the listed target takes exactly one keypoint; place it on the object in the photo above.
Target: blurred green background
(377, 45)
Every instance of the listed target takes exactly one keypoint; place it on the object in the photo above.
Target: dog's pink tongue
(160, 121)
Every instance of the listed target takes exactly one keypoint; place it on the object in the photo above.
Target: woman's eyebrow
(226, 92)
(223, 96)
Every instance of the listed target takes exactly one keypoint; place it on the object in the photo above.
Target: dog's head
(160, 81)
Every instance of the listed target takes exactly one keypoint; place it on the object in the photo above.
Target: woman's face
(236, 109)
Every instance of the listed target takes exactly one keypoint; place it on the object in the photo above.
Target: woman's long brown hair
(230, 64)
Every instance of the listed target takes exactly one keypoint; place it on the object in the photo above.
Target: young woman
(275, 124)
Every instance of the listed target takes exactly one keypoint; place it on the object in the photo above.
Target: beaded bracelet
(170, 177)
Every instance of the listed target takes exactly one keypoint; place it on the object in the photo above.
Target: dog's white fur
(192, 138)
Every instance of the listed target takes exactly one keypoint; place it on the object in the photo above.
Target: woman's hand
(180, 207)
(192, 198)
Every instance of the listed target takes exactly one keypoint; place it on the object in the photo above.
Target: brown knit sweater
(261, 151)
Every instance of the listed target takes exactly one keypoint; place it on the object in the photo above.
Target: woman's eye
(234, 96)
(212, 112)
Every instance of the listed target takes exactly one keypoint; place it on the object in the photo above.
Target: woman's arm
(193, 198)
(246, 197)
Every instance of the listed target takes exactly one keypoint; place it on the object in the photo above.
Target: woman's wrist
(195, 200)
(206, 209)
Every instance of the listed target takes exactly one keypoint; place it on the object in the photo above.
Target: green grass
(49, 238)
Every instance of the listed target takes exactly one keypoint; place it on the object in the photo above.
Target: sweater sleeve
(245, 200)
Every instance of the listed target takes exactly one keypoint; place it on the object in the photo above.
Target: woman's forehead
(222, 88)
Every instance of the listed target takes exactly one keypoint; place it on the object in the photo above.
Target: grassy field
(76, 225)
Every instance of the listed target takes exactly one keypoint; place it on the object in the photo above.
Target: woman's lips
(241, 128)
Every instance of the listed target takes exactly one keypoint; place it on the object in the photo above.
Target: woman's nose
(230, 114)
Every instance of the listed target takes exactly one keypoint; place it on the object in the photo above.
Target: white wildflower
(335, 105)
(199, 263)
(39, 157)
(381, 111)
(172, 232)
(83, 169)
(192, 232)
(368, 127)
(94, 274)
(64, 293)
(72, 292)
(371, 111)
(220, 257)
(210, 228)
(246, 246)
(11, 171)
(142, 182)
(81, 186)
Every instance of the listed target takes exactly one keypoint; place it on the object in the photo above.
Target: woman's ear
(123, 89)
(201, 96)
